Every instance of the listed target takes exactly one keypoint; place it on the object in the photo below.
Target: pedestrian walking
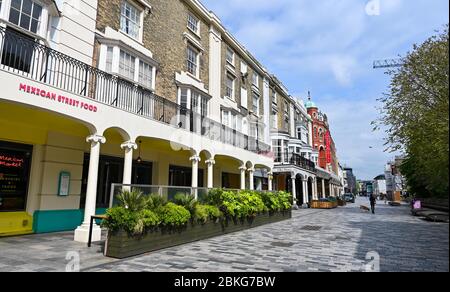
(373, 202)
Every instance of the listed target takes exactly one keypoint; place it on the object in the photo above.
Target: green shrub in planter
(150, 219)
(251, 204)
(285, 200)
(133, 222)
(270, 201)
(201, 214)
(213, 212)
(204, 213)
(173, 215)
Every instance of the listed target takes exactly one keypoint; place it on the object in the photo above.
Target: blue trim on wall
(59, 220)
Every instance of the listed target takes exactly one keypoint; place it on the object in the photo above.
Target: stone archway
(299, 189)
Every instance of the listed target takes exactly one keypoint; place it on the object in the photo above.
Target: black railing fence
(22, 55)
(295, 159)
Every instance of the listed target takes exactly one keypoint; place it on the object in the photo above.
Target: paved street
(314, 240)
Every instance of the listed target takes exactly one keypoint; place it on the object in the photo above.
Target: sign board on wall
(64, 184)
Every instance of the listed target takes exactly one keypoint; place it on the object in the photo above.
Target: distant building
(379, 185)
(351, 180)
(365, 187)
(395, 181)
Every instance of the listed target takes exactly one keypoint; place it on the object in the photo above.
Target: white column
(82, 232)
(251, 184)
(242, 169)
(210, 165)
(195, 160)
(316, 190)
(270, 181)
(323, 189)
(305, 189)
(128, 146)
(310, 131)
(294, 192)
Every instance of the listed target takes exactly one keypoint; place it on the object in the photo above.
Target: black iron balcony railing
(295, 159)
(22, 55)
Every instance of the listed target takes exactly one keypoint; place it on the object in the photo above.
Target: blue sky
(328, 47)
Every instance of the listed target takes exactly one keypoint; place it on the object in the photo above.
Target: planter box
(120, 245)
(323, 205)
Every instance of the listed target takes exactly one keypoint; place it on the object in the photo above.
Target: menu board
(14, 172)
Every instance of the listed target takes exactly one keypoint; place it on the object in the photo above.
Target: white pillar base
(82, 233)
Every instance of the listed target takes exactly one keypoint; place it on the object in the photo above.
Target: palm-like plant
(155, 201)
(133, 200)
(187, 201)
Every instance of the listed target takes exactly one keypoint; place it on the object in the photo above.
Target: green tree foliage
(416, 113)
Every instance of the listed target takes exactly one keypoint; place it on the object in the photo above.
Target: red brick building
(322, 139)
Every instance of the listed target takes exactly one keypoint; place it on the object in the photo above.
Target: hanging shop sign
(58, 97)
(328, 146)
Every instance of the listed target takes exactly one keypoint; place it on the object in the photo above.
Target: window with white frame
(274, 98)
(127, 65)
(130, 19)
(145, 74)
(26, 14)
(192, 60)
(230, 56)
(109, 59)
(255, 103)
(233, 120)
(253, 130)
(193, 23)
(277, 147)
(226, 118)
(229, 90)
(255, 79)
(198, 102)
(274, 122)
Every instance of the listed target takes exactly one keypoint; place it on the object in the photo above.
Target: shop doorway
(15, 162)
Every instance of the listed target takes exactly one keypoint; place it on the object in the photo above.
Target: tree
(416, 114)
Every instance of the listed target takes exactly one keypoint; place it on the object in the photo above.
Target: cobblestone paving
(313, 240)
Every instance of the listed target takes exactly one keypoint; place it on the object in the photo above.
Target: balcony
(297, 160)
(24, 56)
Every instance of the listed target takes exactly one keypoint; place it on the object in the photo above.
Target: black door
(110, 171)
(15, 162)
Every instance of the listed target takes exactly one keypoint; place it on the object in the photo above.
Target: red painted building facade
(322, 138)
